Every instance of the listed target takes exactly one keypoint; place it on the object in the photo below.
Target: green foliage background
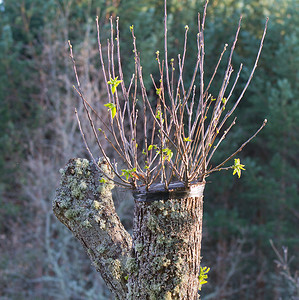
(240, 215)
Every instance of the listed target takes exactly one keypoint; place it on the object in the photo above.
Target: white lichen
(83, 185)
(86, 224)
(100, 221)
(115, 268)
(85, 163)
(97, 205)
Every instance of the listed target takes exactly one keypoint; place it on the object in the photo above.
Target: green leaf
(128, 173)
(150, 147)
(113, 112)
(187, 139)
(237, 167)
(102, 180)
(203, 276)
(114, 82)
(167, 153)
(112, 108)
(159, 115)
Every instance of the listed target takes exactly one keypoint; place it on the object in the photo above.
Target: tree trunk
(167, 242)
(163, 261)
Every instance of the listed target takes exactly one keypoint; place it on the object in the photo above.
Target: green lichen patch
(81, 165)
(131, 265)
(152, 223)
(159, 263)
(139, 247)
(101, 249)
(71, 214)
(160, 205)
(65, 202)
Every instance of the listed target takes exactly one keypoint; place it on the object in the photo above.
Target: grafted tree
(164, 143)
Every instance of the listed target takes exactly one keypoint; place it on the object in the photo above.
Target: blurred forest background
(38, 135)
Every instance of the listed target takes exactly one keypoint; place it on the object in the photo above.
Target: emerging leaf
(203, 276)
(112, 108)
(187, 139)
(114, 82)
(237, 167)
(128, 173)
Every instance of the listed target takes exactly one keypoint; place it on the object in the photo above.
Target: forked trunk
(163, 261)
(166, 243)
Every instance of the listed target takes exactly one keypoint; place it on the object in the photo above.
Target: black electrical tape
(176, 190)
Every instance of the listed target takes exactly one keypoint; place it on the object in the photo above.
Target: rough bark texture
(163, 261)
(85, 206)
(167, 244)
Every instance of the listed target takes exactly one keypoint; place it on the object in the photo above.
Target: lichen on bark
(163, 261)
(85, 206)
(167, 244)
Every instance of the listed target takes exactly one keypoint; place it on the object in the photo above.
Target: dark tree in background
(39, 134)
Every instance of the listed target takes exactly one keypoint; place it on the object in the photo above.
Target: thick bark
(167, 244)
(163, 261)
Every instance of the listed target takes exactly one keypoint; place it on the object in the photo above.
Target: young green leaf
(112, 108)
(114, 82)
(187, 139)
(128, 173)
(203, 276)
(150, 147)
(102, 180)
(237, 167)
(159, 115)
(166, 153)
(169, 153)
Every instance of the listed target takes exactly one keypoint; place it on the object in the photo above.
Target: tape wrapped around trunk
(176, 190)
